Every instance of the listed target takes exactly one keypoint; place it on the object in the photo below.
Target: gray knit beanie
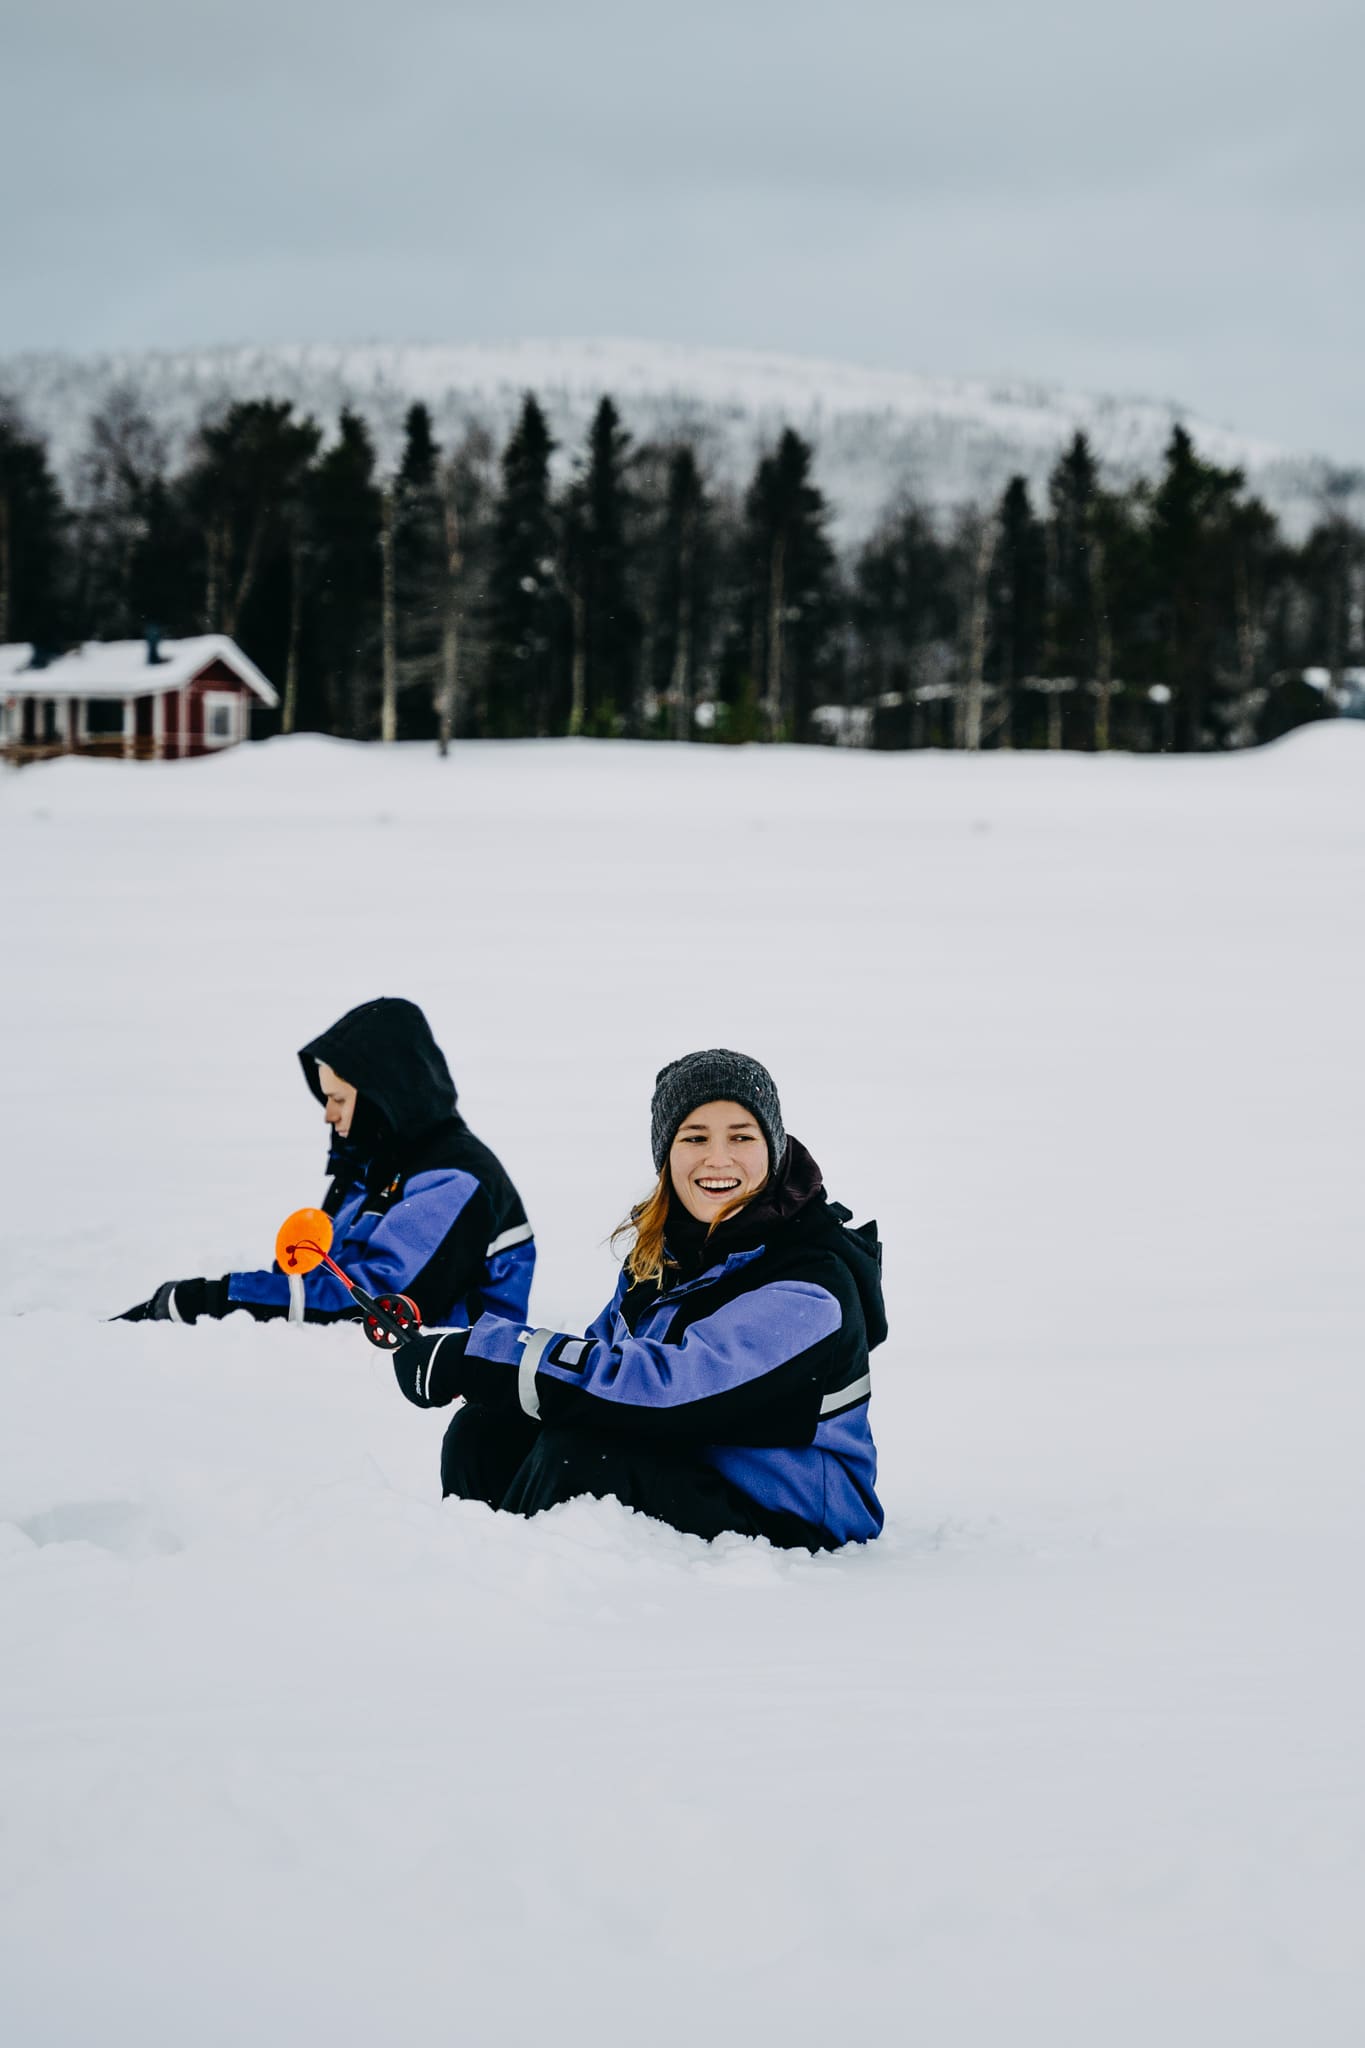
(715, 1076)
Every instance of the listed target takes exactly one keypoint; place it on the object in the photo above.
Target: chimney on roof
(154, 654)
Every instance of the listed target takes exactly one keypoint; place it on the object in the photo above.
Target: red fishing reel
(394, 1318)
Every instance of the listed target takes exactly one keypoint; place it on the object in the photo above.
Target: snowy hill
(290, 1752)
(878, 433)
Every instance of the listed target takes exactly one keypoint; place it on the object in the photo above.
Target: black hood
(861, 1252)
(386, 1051)
(792, 1201)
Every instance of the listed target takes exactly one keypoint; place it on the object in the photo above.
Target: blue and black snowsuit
(733, 1396)
(420, 1207)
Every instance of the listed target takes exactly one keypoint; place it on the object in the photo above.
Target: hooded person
(419, 1206)
(725, 1386)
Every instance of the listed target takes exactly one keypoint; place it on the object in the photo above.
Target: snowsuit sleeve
(432, 1244)
(752, 1372)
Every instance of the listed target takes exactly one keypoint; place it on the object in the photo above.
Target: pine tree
(1018, 605)
(790, 576)
(1122, 586)
(421, 576)
(523, 606)
(345, 523)
(1076, 649)
(1072, 489)
(421, 456)
(607, 625)
(33, 520)
(1193, 552)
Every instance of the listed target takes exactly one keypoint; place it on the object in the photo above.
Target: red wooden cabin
(143, 700)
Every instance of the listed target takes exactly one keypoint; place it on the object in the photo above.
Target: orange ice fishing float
(304, 1242)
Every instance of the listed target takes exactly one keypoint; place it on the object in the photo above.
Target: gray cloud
(1161, 198)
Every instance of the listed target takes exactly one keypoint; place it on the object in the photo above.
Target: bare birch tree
(680, 681)
(388, 714)
(6, 571)
(450, 620)
(974, 699)
(773, 706)
(1104, 643)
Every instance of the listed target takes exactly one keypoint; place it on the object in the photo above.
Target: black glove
(428, 1368)
(181, 1301)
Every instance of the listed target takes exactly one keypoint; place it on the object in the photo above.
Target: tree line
(468, 593)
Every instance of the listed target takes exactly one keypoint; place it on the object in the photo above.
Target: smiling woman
(725, 1386)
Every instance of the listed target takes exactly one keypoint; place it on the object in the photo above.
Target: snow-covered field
(291, 1752)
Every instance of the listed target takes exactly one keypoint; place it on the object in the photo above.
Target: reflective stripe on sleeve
(847, 1397)
(297, 1297)
(537, 1344)
(518, 1234)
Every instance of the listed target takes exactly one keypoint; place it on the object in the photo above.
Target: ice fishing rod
(304, 1242)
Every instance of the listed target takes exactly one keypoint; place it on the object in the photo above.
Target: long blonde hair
(646, 1258)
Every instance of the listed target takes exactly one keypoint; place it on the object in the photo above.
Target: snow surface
(289, 1751)
(878, 434)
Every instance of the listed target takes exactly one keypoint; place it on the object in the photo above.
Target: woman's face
(718, 1160)
(338, 1100)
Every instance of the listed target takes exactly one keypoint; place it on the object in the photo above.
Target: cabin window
(103, 715)
(220, 718)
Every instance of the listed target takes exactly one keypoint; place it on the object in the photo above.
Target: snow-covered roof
(120, 668)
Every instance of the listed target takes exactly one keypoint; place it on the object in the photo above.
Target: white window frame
(222, 700)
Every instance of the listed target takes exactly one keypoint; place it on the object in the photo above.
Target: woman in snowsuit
(419, 1206)
(726, 1383)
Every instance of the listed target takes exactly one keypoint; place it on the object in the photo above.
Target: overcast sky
(1163, 198)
